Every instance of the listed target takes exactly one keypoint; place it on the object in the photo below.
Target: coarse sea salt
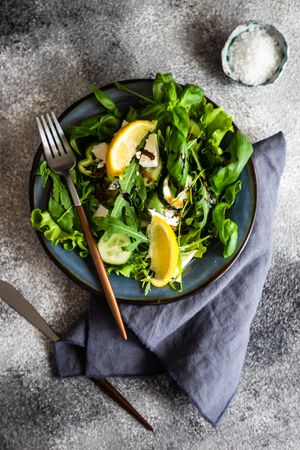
(254, 57)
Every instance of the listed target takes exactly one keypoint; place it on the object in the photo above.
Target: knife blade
(16, 300)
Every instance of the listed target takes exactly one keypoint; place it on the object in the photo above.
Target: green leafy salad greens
(193, 182)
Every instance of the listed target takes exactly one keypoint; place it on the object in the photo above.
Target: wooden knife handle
(110, 296)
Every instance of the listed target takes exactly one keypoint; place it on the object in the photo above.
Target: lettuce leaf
(43, 222)
(216, 123)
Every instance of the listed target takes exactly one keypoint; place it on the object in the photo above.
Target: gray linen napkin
(202, 340)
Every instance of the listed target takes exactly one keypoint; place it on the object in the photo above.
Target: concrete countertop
(49, 54)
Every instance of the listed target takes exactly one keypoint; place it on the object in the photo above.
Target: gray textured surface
(49, 55)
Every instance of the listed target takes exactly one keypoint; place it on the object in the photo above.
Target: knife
(16, 300)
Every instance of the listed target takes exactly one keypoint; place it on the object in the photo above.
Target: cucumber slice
(151, 174)
(112, 252)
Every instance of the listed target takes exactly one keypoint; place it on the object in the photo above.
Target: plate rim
(137, 301)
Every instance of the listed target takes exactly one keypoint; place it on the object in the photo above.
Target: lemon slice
(163, 251)
(124, 144)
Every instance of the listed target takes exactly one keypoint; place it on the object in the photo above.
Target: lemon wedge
(163, 251)
(124, 144)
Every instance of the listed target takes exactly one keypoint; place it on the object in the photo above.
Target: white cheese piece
(189, 181)
(101, 212)
(169, 213)
(185, 259)
(172, 221)
(114, 186)
(182, 196)
(152, 147)
(176, 202)
(100, 151)
(124, 123)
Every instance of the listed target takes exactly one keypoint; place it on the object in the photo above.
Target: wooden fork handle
(122, 401)
(110, 296)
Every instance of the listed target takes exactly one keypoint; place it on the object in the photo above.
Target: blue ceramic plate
(198, 274)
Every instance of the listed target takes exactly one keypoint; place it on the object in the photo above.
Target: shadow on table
(206, 38)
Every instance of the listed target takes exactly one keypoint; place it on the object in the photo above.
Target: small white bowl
(252, 24)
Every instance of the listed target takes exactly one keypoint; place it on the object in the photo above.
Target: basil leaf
(191, 95)
(180, 120)
(226, 229)
(170, 93)
(239, 150)
(158, 86)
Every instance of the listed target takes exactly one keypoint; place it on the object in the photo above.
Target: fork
(61, 160)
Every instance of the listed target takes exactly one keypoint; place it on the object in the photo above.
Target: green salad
(184, 169)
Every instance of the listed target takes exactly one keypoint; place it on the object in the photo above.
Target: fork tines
(52, 135)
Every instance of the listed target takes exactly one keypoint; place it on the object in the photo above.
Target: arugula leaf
(125, 88)
(141, 191)
(196, 213)
(74, 145)
(108, 125)
(44, 172)
(132, 114)
(87, 128)
(59, 190)
(155, 111)
(111, 225)
(197, 246)
(86, 190)
(127, 182)
(130, 217)
(105, 100)
(65, 218)
(177, 162)
(101, 126)
(55, 208)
